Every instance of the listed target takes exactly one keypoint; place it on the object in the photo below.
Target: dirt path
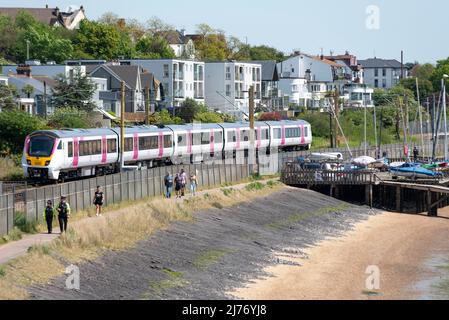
(398, 244)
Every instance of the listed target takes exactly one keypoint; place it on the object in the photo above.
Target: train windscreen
(41, 146)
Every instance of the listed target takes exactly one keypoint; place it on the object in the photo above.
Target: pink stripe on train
(104, 149)
(135, 146)
(212, 141)
(161, 144)
(282, 135)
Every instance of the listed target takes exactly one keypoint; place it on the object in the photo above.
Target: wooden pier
(373, 188)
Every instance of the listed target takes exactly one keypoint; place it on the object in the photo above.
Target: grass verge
(118, 230)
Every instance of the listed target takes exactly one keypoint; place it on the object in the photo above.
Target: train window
(112, 146)
(205, 138)
(245, 135)
(292, 133)
(129, 144)
(98, 147)
(167, 141)
(306, 132)
(148, 143)
(232, 136)
(197, 139)
(277, 133)
(218, 137)
(265, 134)
(182, 140)
(70, 149)
(60, 145)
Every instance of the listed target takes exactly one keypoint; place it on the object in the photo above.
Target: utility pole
(45, 100)
(147, 104)
(253, 167)
(402, 64)
(331, 129)
(443, 86)
(28, 49)
(337, 112)
(122, 126)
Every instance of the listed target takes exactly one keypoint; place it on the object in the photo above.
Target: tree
(266, 53)
(189, 109)
(76, 92)
(155, 26)
(425, 87)
(212, 44)
(28, 90)
(14, 127)
(99, 40)
(209, 117)
(164, 117)
(238, 50)
(8, 36)
(154, 47)
(7, 95)
(68, 117)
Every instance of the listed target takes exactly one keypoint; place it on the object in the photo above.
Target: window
(384, 83)
(277, 133)
(205, 138)
(292, 133)
(166, 72)
(168, 142)
(384, 72)
(182, 140)
(376, 72)
(148, 143)
(306, 132)
(60, 145)
(197, 139)
(218, 137)
(265, 134)
(245, 135)
(376, 83)
(70, 149)
(112, 146)
(129, 144)
(90, 148)
(228, 90)
(228, 73)
(232, 136)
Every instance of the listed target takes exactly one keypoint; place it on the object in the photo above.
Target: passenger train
(57, 155)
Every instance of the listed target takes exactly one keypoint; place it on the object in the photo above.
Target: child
(178, 186)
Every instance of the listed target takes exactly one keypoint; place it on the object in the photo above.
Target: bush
(23, 225)
(69, 118)
(14, 127)
(255, 186)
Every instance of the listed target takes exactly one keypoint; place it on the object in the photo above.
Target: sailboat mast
(420, 115)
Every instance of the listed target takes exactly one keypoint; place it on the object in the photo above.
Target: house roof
(380, 63)
(48, 16)
(127, 73)
(269, 70)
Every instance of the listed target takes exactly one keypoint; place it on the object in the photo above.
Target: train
(59, 155)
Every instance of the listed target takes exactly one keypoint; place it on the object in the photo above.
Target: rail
(295, 176)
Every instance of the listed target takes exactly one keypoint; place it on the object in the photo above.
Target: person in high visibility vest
(63, 209)
(49, 215)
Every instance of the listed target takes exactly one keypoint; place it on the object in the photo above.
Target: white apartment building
(181, 79)
(228, 83)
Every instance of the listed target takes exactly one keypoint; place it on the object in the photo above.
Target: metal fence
(120, 187)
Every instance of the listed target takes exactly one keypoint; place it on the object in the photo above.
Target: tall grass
(10, 170)
(122, 229)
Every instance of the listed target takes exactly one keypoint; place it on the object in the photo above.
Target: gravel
(221, 251)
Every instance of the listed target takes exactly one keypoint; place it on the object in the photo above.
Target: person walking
(183, 178)
(178, 186)
(415, 154)
(98, 200)
(63, 214)
(193, 184)
(168, 182)
(49, 215)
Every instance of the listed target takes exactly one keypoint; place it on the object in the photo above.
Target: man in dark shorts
(63, 214)
(98, 200)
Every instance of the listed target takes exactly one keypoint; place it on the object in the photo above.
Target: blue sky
(416, 26)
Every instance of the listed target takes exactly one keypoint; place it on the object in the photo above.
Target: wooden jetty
(373, 188)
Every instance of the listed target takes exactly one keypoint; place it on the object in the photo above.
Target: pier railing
(295, 176)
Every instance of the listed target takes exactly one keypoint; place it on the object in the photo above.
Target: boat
(414, 171)
(326, 157)
(363, 161)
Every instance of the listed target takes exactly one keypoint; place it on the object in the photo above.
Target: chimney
(24, 69)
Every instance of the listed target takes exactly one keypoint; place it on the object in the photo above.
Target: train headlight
(47, 163)
(29, 162)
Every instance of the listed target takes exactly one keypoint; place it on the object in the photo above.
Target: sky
(366, 28)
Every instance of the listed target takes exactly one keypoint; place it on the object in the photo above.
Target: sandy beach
(400, 245)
